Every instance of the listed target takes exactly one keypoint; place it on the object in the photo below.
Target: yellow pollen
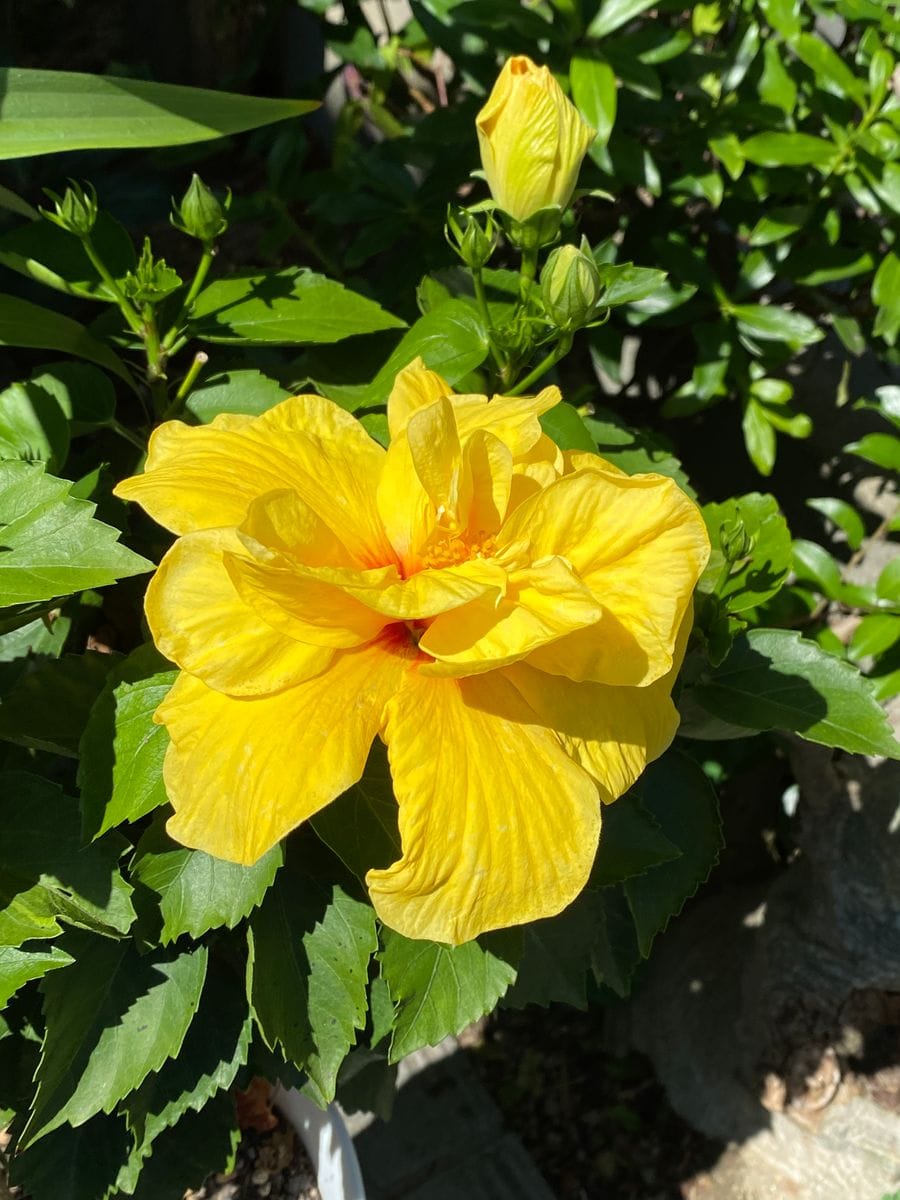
(447, 549)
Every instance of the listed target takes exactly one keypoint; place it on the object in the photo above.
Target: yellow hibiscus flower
(503, 615)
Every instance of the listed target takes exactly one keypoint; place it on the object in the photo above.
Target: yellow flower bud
(532, 140)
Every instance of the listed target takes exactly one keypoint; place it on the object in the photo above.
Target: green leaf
(828, 67)
(50, 543)
(48, 708)
(882, 449)
(361, 825)
(450, 340)
(52, 257)
(886, 294)
(13, 202)
(112, 1017)
(556, 956)
(284, 308)
(122, 749)
(774, 679)
(196, 891)
(46, 872)
(624, 283)
(632, 450)
(32, 426)
(631, 842)
(85, 395)
(783, 16)
(614, 13)
(593, 83)
(616, 953)
(772, 323)
(49, 111)
(74, 1164)
(214, 1049)
(677, 794)
(439, 990)
(19, 965)
(310, 947)
(775, 83)
(566, 427)
(248, 392)
(761, 574)
(778, 224)
(813, 562)
(202, 1143)
(789, 150)
(843, 515)
(888, 585)
(873, 635)
(28, 325)
(759, 437)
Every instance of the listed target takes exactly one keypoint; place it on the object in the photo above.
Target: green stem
(129, 312)
(201, 358)
(527, 272)
(193, 291)
(560, 350)
(127, 434)
(499, 358)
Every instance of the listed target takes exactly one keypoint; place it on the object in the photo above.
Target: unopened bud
(736, 540)
(472, 241)
(75, 211)
(200, 214)
(570, 287)
(151, 280)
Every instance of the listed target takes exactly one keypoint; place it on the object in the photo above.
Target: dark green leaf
(624, 283)
(284, 308)
(614, 13)
(32, 426)
(438, 989)
(632, 450)
(28, 325)
(774, 679)
(122, 749)
(248, 392)
(50, 544)
(56, 259)
(196, 891)
(361, 826)
(310, 950)
(200, 1144)
(616, 952)
(48, 111)
(74, 1164)
(46, 872)
(593, 84)
(789, 150)
(759, 437)
(112, 1017)
(771, 323)
(48, 708)
(556, 956)
(631, 842)
(675, 791)
(828, 66)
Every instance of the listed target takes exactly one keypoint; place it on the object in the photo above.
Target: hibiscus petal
(437, 458)
(513, 419)
(242, 773)
(415, 387)
(498, 825)
(640, 545)
(543, 603)
(199, 621)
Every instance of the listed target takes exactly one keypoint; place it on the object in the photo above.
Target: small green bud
(736, 540)
(570, 286)
(200, 215)
(473, 242)
(76, 211)
(151, 280)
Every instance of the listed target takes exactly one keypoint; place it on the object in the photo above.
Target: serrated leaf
(32, 426)
(50, 544)
(615, 953)
(682, 801)
(284, 308)
(200, 1144)
(49, 111)
(214, 1049)
(768, 561)
(239, 391)
(48, 708)
(439, 990)
(196, 891)
(46, 872)
(74, 1164)
(20, 964)
(112, 1017)
(556, 956)
(631, 841)
(774, 679)
(121, 749)
(310, 946)
(632, 450)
